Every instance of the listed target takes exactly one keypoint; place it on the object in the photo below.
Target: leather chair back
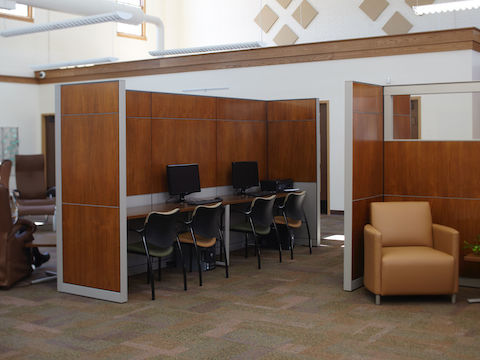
(403, 223)
(5, 169)
(30, 176)
(6, 223)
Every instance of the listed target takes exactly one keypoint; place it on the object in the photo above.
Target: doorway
(324, 156)
(48, 147)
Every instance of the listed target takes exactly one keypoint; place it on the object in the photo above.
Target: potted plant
(473, 246)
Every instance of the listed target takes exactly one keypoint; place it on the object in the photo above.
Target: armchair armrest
(372, 259)
(447, 240)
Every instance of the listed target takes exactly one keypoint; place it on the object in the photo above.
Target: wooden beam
(434, 41)
(18, 79)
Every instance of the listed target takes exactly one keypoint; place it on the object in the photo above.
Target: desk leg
(227, 231)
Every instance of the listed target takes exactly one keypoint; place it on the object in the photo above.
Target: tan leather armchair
(405, 254)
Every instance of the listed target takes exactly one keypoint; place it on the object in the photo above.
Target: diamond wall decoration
(285, 36)
(419, 2)
(397, 25)
(266, 18)
(305, 13)
(284, 3)
(373, 8)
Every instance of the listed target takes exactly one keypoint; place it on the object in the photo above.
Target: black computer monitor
(183, 179)
(244, 175)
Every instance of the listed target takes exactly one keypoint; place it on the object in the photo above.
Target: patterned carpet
(293, 310)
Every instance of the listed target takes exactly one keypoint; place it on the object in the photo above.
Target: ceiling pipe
(96, 7)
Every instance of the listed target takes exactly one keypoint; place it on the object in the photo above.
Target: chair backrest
(161, 228)
(262, 210)
(5, 169)
(293, 205)
(6, 223)
(30, 176)
(206, 220)
(403, 223)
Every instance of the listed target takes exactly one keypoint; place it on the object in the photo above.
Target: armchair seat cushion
(186, 238)
(138, 248)
(36, 206)
(416, 270)
(291, 222)
(245, 227)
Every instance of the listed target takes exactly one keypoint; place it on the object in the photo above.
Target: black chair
(292, 217)
(159, 234)
(204, 230)
(259, 222)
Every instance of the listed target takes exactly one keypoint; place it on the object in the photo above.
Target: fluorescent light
(204, 49)
(447, 6)
(72, 64)
(7, 4)
(87, 20)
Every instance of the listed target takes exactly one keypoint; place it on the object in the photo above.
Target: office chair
(204, 231)
(292, 217)
(5, 169)
(159, 234)
(259, 221)
(31, 196)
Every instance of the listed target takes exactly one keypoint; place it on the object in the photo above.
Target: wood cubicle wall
(89, 189)
(212, 131)
(367, 173)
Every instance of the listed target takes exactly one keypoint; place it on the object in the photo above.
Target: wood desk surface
(139, 212)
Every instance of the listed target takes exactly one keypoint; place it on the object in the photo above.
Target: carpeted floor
(293, 310)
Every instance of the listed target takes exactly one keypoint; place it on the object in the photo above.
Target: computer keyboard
(261, 193)
(204, 201)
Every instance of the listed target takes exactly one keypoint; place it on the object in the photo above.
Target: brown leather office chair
(31, 195)
(15, 258)
(405, 254)
(5, 169)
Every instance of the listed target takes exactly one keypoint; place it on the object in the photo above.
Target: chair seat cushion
(36, 206)
(245, 227)
(291, 222)
(186, 238)
(138, 248)
(416, 270)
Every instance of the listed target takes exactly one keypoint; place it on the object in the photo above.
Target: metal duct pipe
(96, 7)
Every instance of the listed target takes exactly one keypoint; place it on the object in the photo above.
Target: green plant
(473, 245)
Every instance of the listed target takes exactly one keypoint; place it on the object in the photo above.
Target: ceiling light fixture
(445, 7)
(72, 64)
(205, 49)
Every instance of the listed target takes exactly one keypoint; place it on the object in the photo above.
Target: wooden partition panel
(90, 185)
(445, 173)
(183, 131)
(139, 142)
(367, 185)
(401, 117)
(241, 136)
(292, 139)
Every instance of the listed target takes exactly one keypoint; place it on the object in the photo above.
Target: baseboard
(469, 282)
(336, 212)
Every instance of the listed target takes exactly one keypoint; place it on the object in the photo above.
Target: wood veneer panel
(303, 109)
(432, 168)
(367, 155)
(433, 41)
(292, 150)
(240, 141)
(90, 98)
(91, 250)
(18, 79)
(182, 142)
(367, 98)
(461, 214)
(241, 109)
(139, 156)
(401, 117)
(361, 217)
(139, 104)
(90, 159)
(183, 106)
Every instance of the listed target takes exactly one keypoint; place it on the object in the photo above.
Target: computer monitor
(183, 179)
(244, 175)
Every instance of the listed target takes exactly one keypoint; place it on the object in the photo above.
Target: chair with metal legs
(159, 235)
(292, 217)
(259, 221)
(204, 231)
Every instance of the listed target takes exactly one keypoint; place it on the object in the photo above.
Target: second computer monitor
(244, 175)
(183, 179)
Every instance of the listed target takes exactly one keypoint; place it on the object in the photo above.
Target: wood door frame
(418, 99)
(327, 104)
(44, 143)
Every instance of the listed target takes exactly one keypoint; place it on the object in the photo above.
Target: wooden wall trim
(434, 41)
(19, 79)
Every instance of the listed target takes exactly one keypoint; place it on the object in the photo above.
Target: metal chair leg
(182, 259)
(197, 253)
(292, 239)
(151, 277)
(278, 242)
(159, 269)
(222, 244)
(246, 245)
(308, 232)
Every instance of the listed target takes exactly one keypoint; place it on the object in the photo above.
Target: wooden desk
(139, 212)
(472, 258)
